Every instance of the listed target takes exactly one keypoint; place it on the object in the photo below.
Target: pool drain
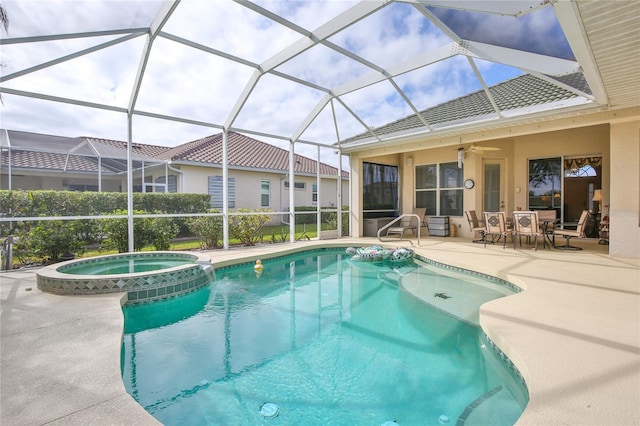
(443, 419)
(390, 423)
(269, 410)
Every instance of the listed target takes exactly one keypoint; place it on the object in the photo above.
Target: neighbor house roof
(244, 152)
(51, 153)
(521, 94)
(55, 153)
(49, 161)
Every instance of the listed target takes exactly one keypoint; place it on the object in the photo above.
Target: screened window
(215, 190)
(439, 189)
(545, 183)
(314, 195)
(265, 193)
(380, 190)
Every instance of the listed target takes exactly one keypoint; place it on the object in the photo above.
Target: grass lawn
(271, 234)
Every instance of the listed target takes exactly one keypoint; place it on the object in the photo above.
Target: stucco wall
(58, 181)
(625, 190)
(248, 189)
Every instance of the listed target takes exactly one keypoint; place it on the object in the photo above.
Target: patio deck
(574, 334)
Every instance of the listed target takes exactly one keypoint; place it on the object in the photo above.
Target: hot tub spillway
(187, 272)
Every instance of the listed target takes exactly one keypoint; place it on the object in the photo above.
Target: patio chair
(570, 233)
(475, 226)
(526, 224)
(547, 220)
(496, 226)
(409, 223)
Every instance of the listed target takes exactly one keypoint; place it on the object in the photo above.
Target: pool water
(315, 339)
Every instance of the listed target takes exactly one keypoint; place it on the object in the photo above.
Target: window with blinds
(215, 190)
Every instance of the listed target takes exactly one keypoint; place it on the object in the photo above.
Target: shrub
(49, 240)
(161, 231)
(116, 231)
(248, 228)
(208, 229)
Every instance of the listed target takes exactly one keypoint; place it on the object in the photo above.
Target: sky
(185, 82)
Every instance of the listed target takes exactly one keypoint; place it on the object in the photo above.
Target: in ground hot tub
(144, 276)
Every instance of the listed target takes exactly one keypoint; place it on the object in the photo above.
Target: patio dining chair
(570, 233)
(547, 220)
(476, 226)
(526, 224)
(496, 226)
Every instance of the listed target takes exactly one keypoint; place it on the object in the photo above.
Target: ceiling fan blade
(480, 149)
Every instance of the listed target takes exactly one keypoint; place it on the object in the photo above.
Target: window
(79, 187)
(314, 195)
(439, 189)
(582, 167)
(215, 190)
(265, 191)
(172, 186)
(545, 183)
(380, 190)
(296, 185)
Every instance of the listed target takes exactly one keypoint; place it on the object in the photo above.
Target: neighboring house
(258, 171)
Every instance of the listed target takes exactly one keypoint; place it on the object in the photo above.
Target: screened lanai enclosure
(77, 157)
(323, 79)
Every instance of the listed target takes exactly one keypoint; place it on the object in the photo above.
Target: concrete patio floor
(574, 334)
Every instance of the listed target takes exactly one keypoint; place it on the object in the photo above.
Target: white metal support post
(318, 194)
(292, 177)
(225, 189)
(339, 202)
(129, 182)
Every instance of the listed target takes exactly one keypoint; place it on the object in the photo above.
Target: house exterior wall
(21, 180)
(597, 135)
(248, 187)
(624, 197)
(514, 152)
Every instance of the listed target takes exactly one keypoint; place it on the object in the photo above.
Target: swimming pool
(317, 338)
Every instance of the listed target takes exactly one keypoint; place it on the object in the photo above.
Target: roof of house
(523, 92)
(244, 152)
(55, 153)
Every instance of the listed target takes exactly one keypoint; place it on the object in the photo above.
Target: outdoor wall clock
(469, 183)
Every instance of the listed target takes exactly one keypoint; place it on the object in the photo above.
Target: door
(494, 185)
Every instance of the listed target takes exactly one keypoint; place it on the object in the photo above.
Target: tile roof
(50, 161)
(244, 152)
(519, 92)
(143, 150)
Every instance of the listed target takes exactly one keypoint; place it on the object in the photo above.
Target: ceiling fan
(475, 149)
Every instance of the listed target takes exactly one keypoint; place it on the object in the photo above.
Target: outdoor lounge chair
(475, 227)
(410, 223)
(570, 233)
